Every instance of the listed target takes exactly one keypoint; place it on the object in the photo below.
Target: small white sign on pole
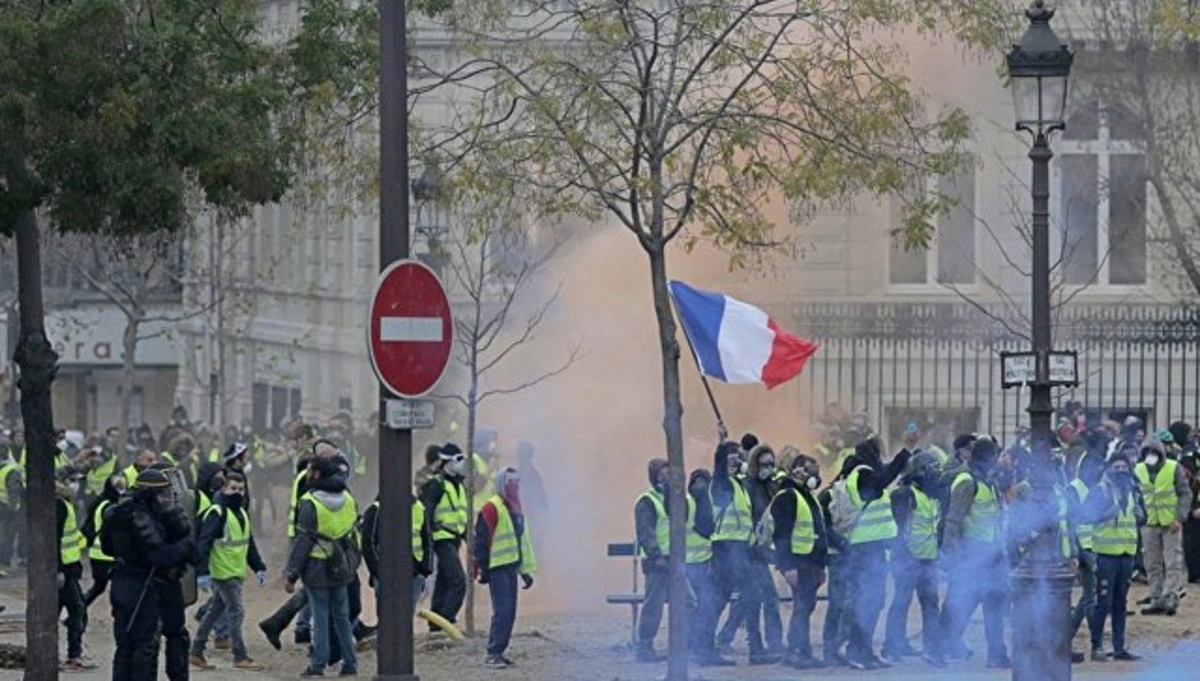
(409, 414)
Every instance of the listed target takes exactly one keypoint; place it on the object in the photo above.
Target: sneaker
(855, 663)
(874, 662)
(1099, 655)
(222, 643)
(713, 660)
(364, 632)
(1077, 658)
(934, 660)
(197, 660)
(78, 664)
(1155, 609)
(348, 671)
(1144, 601)
(763, 657)
(801, 662)
(272, 635)
(891, 657)
(1169, 611)
(647, 655)
(508, 661)
(247, 665)
(495, 661)
(310, 672)
(1126, 656)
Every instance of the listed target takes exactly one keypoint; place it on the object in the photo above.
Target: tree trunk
(677, 661)
(129, 341)
(472, 409)
(37, 361)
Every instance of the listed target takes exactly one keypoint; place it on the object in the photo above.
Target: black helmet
(152, 478)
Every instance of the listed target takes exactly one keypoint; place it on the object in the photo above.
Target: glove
(204, 583)
(526, 581)
(62, 580)
(262, 577)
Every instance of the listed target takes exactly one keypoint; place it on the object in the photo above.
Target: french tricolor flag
(736, 342)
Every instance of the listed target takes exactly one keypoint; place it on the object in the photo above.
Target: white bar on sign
(410, 329)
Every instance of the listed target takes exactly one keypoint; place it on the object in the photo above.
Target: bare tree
(494, 266)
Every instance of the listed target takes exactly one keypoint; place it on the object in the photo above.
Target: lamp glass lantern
(1038, 70)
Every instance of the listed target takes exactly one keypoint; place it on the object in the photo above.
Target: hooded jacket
(783, 512)
(332, 494)
(212, 527)
(109, 494)
(761, 491)
(645, 517)
(872, 482)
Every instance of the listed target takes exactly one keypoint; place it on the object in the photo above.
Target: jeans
(70, 597)
(703, 616)
(980, 577)
(450, 587)
(1087, 600)
(911, 576)
(1112, 592)
(652, 607)
(1162, 551)
(502, 586)
(226, 604)
(221, 629)
(868, 572)
(331, 604)
(10, 525)
(836, 628)
(768, 598)
(804, 601)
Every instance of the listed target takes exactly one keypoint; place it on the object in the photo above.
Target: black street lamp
(1038, 67)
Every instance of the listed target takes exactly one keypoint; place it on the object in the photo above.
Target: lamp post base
(1042, 622)
(395, 677)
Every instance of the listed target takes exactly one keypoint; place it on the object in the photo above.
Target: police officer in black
(150, 537)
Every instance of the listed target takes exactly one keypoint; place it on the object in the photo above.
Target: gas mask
(457, 466)
(1152, 460)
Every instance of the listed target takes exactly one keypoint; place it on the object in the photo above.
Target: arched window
(1101, 202)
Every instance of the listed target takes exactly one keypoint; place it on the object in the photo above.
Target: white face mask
(457, 467)
(74, 487)
(62, 445)
(1152, 459)
(813, 482)
(248, 467)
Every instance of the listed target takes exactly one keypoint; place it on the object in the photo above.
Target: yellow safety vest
(841, 459)
(214, 455)
(70, 549)
(734, 522)
(292, 504)
(922, 531)
(506, 549)
(98, 476)
(227, 560)
(61, 460)
(1118, 536)
(1064, 522)
(96, 551)
(876, 522)
(331, 525)
(698, 549)
(804, 531)
(418, 523)
(1083, 531)
(131, 475)
(1161, 502)
(984, 517)
(662, 523)
(939, 453)
(450, 516)
(360, 462)
(5, 471)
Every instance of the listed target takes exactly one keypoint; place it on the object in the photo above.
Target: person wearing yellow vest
(733, 526)
(326, 556)
(704, 610)
(1168, 501)
(1114, 510)
(503, 553)
(142, 461)
(446, 493)
(93, 524)
(973, 547)
(12, 491)
(801, 553)
(867, 478)
(422, 548)
(100, 464)
(225, 548)
(652, 525)
(1089, 469)
(70, 566)
(914, 561)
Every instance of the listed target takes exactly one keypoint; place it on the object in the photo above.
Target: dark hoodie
(331, 492)
(761, 491)
(89, 529)
(872, 482)
(783, 511)
(645, 517)
(212, 527)
(702, 522)
(722, 483)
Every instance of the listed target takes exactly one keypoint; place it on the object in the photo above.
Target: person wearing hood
(705, 610)
(503, 554)
(763, 478)
(973, 546)
(11, 495)
(226, 548)
(93, 525)
(1114, 509)
(1168, 499)
(733, 528)
(325, 556)
(446, 493)
(70, 566)
(867, 477)
(914, 560)
(1090, 470)
(801, 552)
(652, 526)
(1188, 458)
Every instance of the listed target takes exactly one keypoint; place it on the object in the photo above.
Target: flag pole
(712, 400)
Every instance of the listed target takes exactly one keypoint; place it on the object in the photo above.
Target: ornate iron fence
(939, 363)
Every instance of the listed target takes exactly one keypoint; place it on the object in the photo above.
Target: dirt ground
(594, 645)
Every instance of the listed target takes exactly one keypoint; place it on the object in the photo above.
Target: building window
(271, 404)
(950, 259)
(1102, 197)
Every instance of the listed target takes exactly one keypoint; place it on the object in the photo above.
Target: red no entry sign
(409, 330)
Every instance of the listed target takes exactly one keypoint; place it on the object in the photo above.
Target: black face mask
(231, 500)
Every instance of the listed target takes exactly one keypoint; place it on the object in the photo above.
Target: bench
(635, 598)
